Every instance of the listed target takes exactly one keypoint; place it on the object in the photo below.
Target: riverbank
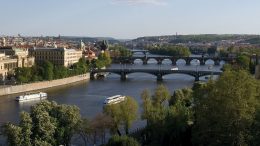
(7, 90)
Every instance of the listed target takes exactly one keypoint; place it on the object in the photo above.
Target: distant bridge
(140, 51)
(145, 59)
(158, 73)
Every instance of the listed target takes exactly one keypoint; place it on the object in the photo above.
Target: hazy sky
(128, 18)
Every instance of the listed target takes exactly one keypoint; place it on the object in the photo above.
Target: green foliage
(47, 124)
(123, 113)
(225, 110)
(122, 141)
(120, 51)
(48, 70)
(172, 50)
(103, 60)
(243, 62)
(96, 129)
(60, 72)
(167, 124)
(184, 95)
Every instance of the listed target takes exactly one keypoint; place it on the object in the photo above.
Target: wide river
(89, 95)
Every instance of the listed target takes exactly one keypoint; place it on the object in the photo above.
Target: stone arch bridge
(158, 73)
(159, 60)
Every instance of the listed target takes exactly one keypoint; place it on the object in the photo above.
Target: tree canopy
(47, 124)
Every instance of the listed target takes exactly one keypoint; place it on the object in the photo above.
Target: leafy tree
(243, 62)
(93, 130)
(184, 95)
(122, 141)
(119, 51)
(47, 124)
(23, 75)
(255, 141)
(167, 124)
(60, 72)
(48, 70)
(173, 50)
(161, 95)
(224, 110)
(123, 114)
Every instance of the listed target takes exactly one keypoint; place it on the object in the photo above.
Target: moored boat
(31, 96)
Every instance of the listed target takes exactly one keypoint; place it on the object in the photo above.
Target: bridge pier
(92, 76)
(197, 78)
(159, 62)
(144, 61)
(159, 77)
(123, 76)
(173, 62)
(216, 62)
(202, 62)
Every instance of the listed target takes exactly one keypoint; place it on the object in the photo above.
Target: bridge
(139, 51)
(158, 73)
(145, 59)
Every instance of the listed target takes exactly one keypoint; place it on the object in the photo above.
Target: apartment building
(58, 56)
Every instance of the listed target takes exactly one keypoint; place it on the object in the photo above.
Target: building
(7, 65)
(58, 56)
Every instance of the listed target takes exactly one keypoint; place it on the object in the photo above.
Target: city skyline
(128, 19)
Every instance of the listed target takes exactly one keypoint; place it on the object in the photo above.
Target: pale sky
(127, 19)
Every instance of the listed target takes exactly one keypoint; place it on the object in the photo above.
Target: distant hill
(90, 39)
(175, 39)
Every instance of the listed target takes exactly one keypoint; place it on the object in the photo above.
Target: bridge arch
(195, 62)
(167, 61)
(152, 61)
(181, 62)
(209, 62)
(222, 62)
(183, 73)
(138, 61)
(154, 74)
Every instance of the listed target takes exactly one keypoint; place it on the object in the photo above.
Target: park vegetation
(47, 71)
(119, 51)
(170, 50)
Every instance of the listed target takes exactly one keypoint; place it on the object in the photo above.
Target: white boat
(174, 68)
(31, 96)
(114, 99)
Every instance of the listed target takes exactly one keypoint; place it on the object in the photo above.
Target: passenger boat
(31, 96)
(114, 99)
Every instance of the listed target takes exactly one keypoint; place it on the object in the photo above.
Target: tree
(48, 70)
(60, 72)
(47, 124)
(184, 95)
(92, 130)
(224, 110)
(123, 114)
(243, 62)
(122, 141)
(23, 75)
(161, 95)
(173, 50)
(167, 124)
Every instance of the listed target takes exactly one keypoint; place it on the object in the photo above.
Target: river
(89, 95)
